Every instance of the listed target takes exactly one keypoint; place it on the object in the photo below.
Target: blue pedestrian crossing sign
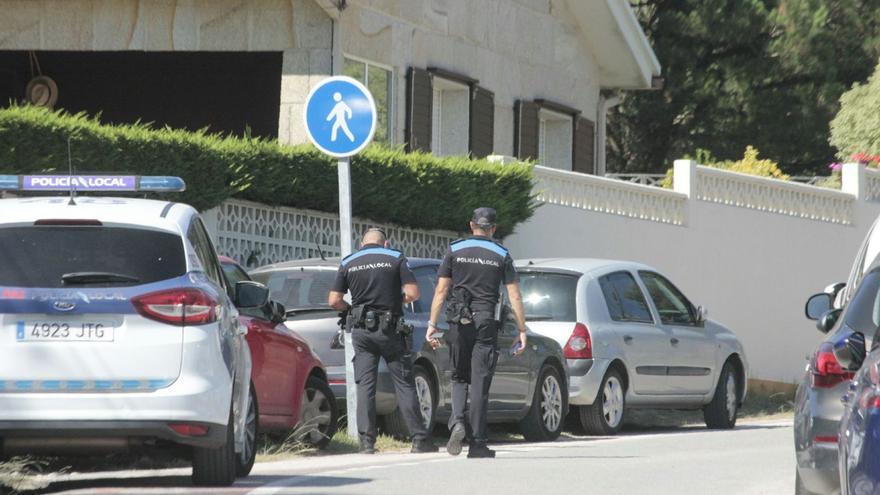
(340, 116)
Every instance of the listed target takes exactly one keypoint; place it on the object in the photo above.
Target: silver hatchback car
(632, 339)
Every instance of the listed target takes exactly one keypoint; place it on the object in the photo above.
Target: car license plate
(64, 331)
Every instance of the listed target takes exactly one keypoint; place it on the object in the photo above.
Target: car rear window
(549, 296)
(298, 288)
(40, 256)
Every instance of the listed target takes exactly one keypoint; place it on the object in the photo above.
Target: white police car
(118, 328)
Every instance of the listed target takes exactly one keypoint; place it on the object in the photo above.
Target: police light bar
(79, 183)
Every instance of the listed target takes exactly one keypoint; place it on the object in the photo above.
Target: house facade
(521, 78)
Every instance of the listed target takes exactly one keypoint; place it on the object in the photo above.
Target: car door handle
(673, 341)
(627, 339)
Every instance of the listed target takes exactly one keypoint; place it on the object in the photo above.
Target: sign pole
(345, 236)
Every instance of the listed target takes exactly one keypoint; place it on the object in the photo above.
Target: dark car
(289, 379)
(530, 389)
(859, 434)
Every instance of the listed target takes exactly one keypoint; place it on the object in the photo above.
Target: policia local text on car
(380, 283)
(475, 268)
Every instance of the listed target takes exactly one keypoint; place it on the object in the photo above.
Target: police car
(118, 329)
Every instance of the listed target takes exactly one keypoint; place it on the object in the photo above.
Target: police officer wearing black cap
(474, 268)
(380, 283)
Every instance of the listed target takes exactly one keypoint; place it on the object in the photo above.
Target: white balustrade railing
(872, 185)
(604, 195)
(255, 234)
(772, 195)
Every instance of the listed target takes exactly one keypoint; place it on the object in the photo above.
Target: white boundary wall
(749, 249)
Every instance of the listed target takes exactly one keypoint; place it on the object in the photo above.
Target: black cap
(484, 217)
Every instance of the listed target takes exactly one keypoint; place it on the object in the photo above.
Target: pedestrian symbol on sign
(341, 113)
(340, 116)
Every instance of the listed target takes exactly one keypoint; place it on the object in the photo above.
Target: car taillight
(186, 306)
(827, 372)
(579, 345)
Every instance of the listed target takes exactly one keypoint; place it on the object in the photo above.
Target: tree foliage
(855, 131)
(738, 72)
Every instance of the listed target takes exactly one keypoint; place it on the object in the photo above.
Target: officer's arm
(336, 302)
(443, 284)
(516, 304)
(410, 293)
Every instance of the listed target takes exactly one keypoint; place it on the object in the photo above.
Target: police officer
(380, 283)
(474, 269)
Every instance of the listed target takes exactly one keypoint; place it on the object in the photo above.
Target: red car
(289, 379)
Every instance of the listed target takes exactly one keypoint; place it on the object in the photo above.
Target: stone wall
(519, 49)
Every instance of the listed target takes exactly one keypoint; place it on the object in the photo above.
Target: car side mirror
(827, 321)
(851, 352)
(278, 312)
(817, 305)
(702, 315)
(250, 294)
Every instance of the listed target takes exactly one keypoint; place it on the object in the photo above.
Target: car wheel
(605, 416)
(395, 425)
(546, 419)
(318, 414)
(216, 467)
(245, 459)
(720, 414)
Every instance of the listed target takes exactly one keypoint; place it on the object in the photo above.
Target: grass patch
(276, 448)
(18, 474)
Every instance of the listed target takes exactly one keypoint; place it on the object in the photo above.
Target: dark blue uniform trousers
(474, 352)
(368, 348)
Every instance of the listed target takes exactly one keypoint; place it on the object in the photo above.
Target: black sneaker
(453, 446)
(424, 446)
(367, 447)
(480, 452)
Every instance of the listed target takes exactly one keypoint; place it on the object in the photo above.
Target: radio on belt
(119, 183)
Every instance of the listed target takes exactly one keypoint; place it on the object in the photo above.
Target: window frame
(440, 84)
(392, 89)
(547, 114)
(197, 228)
(645, 298)
(692, 309)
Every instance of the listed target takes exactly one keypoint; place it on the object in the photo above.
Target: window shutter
(525, 137)
(419, 96)
(583, 146)
(482, 124)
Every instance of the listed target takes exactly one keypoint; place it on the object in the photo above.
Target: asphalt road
(755, 458)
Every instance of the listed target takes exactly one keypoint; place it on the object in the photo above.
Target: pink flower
(835, 166)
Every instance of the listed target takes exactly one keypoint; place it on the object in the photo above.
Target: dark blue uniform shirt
(481, 266)
(375, 276)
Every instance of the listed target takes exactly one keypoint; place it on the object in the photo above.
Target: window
(450, 117)
(298, 289)
(41, 256)
(426, 279)
(555, 136)
(549, 296)
(673, 307)
(624, 298)
(863, 314)
(201, 243)
(379, 81)
(234, 274)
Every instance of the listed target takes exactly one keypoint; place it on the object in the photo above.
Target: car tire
(245, 459)
(546, 418)
(605, 416)
(394, 423)
(216, 466)
(318, 415)
(720, 414)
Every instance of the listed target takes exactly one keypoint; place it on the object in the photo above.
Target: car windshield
(88, 256)
(863, 313)
(298, 289)
(549, 296)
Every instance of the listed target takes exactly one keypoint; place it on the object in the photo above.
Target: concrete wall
(752, 269)
(519, 49)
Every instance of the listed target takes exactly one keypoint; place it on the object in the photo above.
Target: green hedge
(411, 189)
